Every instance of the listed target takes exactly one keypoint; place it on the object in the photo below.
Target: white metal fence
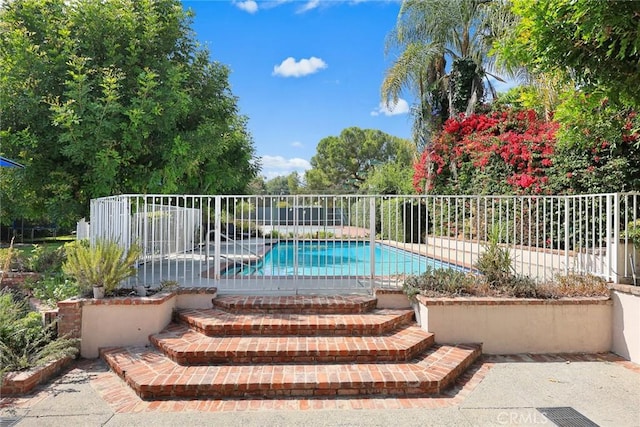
(318, 243)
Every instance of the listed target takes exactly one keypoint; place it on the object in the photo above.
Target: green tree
(598, 146)
(594, 42)
(342, 163)
(257, 186)
(590, 49)
(390, 178)
(277, 185)
(102, 97)
(429, 33)
(293, 182)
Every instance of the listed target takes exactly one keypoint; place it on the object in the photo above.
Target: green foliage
(290, 184)
(278, 185)
(105, 97)
(441, 282)
(24, 341)
(360, 213)
(247, 227)
(465, 85)
(430, 35)
(320, 234)
(390, 178)
(598, 146)
(343, 163)
(46, 259)
(453, 283)
(633, 232)
(244, 209)
(392, 220)
(103, 264)
(495, 261)
(594, 42)
(55, 287)
(13, 260)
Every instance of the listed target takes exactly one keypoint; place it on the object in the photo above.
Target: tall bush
(103, 264)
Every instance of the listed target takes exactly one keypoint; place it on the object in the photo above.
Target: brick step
(307, 304)
(152, 375)
(214, 322)
(188, 347)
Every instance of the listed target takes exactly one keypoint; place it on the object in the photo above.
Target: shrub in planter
(46, 260)
(443, 282)
(103, 265)
(53, 288)
(495, 262)
(24, 341)
(12, 260)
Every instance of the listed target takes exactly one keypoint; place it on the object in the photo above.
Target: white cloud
(290, 68)
(248, 6)
(310, 5)
(297, 144)
(401, 107)
(273, 166)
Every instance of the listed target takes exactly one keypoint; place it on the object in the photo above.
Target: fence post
(295, 236)
(613, 234)
(616, 237)
(372, 239)
(566, 235)
(217, 210)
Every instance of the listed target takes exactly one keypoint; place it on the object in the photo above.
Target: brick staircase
(290, 346)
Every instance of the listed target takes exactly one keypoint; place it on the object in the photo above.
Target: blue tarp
(6, 163)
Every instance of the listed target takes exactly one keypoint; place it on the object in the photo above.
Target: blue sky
(303, 70)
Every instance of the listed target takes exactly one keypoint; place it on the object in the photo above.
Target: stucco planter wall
(510, 326)
(125, 321)
(626, 321)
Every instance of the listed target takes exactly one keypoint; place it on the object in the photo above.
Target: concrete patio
(497, 391)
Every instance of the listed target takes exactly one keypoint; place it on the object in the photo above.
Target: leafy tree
(541, 92)
(390, 178)
(594, 42)
(289, 184)
(342, 163)
(257, 186)
(590, 49)
(293, 182)
(429, 33)
(101, 97)
(277, 185)
(598, 146)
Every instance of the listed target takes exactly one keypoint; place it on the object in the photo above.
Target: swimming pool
(337, 258)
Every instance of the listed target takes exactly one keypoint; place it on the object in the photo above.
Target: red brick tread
(297, 304)
(152, 375)
(188, 347)
(218, 322)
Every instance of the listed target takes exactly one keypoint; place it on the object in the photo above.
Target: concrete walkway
(497, 391)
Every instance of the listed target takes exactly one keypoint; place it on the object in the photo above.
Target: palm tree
(429, 33)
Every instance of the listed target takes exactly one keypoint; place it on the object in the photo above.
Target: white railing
(317, 243)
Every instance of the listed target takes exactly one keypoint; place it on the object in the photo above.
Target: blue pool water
(338, 258)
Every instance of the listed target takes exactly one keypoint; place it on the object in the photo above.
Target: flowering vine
(517, 143)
